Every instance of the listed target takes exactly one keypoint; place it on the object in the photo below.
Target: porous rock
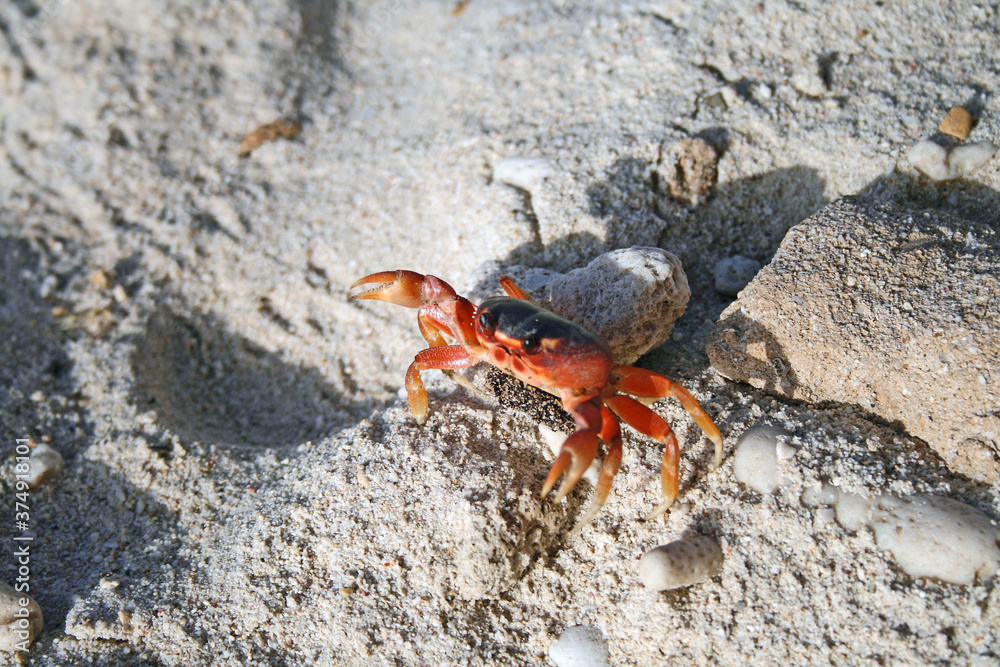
(895, 311)
(935, 536)
(690, 169)
(630, 297)
(684, 562)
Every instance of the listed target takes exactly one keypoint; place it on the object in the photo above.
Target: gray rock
(631, 297)
(734, 273)
(892, 310)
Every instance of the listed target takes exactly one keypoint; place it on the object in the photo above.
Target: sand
(244, 483)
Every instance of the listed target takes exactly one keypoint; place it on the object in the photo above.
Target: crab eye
(530, 344)
(487, 321)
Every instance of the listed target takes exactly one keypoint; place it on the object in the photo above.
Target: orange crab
(535, 345)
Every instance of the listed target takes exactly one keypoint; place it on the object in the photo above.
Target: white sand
(244, 484)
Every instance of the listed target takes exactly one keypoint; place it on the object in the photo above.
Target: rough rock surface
(631, 297)
(896, 311)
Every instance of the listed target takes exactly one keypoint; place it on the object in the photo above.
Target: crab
(545, 350)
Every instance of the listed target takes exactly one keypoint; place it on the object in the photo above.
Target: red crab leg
(442, 358)
(512, 289)
(430, 331)
(579, 448)
(611, 435)
(644, 420)
(647, 384)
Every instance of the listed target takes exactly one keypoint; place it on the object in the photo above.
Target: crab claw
(399, 287)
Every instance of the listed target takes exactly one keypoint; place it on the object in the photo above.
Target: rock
(734, 273)
(691, 169)
(755, 462)
(20, 619)
(851, 510)
(916, 339)
(934, 536)
(945, 163)
(684, 562)
(958, 123)
(927, 535)
(580, 646)
(967, 158)
(44, 463)
(630, 297)
(809, 82)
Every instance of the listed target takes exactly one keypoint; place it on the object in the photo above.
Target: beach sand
(244, 483)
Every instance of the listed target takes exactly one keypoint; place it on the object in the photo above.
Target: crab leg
(513, 290)
(445, 357)
(579, 448)
(644, 420)
(611, 435)
(648, 384)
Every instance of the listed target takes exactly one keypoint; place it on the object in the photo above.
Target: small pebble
(825, 516)
(958, 123)
(101, 279)
(526, 173)
(729, 95)
(106, 584)
(967, 158)
(852, 510)
(809, 82)
(580, 646)
(734, 273)
(684, 562)
(762, 91)
(119, 293)
(755, 462)
(44, 463)
(714, 101)
(48, 286)
(20, 619)
(940, 163)
(284, 128)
